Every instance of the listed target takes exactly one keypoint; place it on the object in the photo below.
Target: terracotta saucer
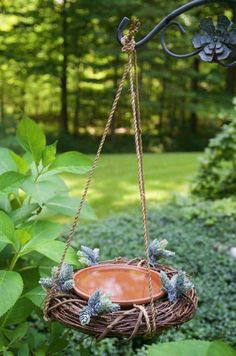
(126, 284)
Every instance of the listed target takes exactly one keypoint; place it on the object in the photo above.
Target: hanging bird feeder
(121, 297)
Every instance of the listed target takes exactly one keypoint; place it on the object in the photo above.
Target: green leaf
(220, 348)
(49, 154)
(191, 347)
(42, 232)
(6, 161)
(7, 226)
(17, 334)
(22, 237)
(36, 296)
(41, 351)
(45, 229)
(23, 213)
(3, 342)
(5, 203)
(20, 311)
(27, 156)
(10, 180)
(23, 350)
(7, 231)
(2, 245)
(43, 190)
(177, 348)
(11, 286)
(30, 277)
(7, 353)
(56, 330)
(68, 206)
(54, 251)
(45, 267)
(31, 138)
(58, 341)
(71, 162)
(56, 346)
(36, 339)
(4, 240)
(22, 165)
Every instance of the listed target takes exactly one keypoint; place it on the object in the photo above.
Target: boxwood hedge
(201, 233)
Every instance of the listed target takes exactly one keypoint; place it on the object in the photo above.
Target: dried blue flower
(85, 316)
(107, 306)
(87, 256)
(176, 285)
(157, 250)
(98, 303)
(216, 41)
(65, 281)
(67, 285)
(46, 283)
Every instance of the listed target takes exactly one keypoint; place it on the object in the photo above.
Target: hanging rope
(52, 291)
(129, 46)
(128, 42)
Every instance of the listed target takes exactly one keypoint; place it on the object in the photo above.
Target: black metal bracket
(214, 42)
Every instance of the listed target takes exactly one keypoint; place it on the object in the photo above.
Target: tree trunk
(194, 88)
(162, 106)
(77, 103)
(22, 96)
(230, 84)
(115, 81)
(2, 100)
(64, 106)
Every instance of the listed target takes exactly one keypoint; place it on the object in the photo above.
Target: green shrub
(191, 347)
(31, 194)
(217, 172)
(201, 234)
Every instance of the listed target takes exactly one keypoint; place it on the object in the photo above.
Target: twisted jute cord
(146, 317)
(52, 291)
(129, 46)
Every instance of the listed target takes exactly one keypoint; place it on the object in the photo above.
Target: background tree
(60, 63)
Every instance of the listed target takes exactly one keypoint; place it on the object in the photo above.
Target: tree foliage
(60, 63)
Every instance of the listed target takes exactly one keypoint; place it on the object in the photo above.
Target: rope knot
(146, 317)
(128, 44)
(128, 41)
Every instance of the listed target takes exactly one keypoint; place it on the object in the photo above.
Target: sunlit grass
(115, 186)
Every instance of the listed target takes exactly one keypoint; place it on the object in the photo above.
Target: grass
(115, 188)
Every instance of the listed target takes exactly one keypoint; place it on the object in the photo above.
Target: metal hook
(171, 53)
(194, 3)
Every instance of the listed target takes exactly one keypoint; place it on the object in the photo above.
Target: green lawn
(115, 187)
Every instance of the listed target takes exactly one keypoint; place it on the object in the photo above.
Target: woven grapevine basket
(128, 321)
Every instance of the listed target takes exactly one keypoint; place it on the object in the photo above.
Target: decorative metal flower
(216, 41)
